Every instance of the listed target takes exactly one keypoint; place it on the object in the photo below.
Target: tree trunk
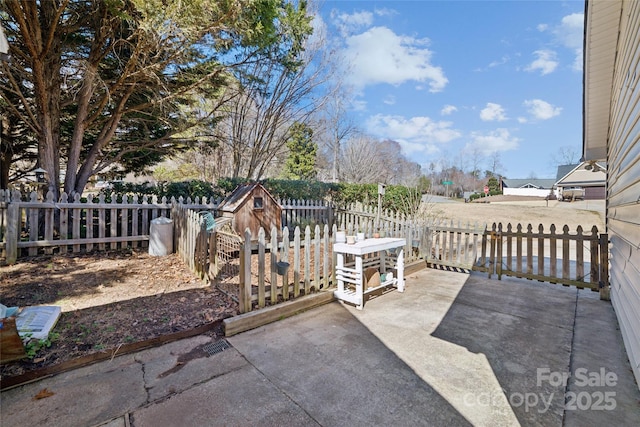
(45, 48)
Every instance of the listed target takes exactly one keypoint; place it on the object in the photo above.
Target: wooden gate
(451, 246)
(224, 271)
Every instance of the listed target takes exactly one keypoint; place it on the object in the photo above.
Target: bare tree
(566, 155)
(337, 127)
(367, 160)
(361, 161)
(495, 163)
(475, 158)
(254, 127)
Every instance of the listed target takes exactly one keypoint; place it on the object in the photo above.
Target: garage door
(594, 193)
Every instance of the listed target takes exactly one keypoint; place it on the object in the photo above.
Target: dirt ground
(108, 299)
(111, 299)
(523, 210)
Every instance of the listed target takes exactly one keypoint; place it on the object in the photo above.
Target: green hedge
(183, 189)
(476, 196)
(396, 197)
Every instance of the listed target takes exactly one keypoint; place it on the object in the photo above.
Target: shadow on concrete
(542, 341)
(522, 328)
(340, 373)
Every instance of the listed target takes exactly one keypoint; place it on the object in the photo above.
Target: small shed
(252, 206)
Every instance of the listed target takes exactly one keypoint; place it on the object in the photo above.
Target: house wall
(623, 183)
(536, 192)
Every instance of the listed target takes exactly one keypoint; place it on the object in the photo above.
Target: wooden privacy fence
(577, 259)
(30, 227)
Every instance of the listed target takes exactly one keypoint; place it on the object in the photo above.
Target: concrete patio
(453, 349)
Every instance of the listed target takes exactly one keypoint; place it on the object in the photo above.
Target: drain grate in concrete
(216, 347)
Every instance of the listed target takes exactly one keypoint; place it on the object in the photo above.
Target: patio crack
(571, 355)
(145, 385)
(291, 399)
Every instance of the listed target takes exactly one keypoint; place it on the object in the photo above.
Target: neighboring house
(527, 187)
(590, 177)
(252, 206)
(612, 133)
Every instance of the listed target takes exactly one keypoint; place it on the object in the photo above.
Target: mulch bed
(112, 302)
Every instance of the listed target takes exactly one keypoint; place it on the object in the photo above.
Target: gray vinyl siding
(623, 183)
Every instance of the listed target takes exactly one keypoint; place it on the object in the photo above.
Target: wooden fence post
(261, 267)
(244, 294)
(498, 236)
(13, 232)
(595, 243)
(492, 251)
(214, 268)
(605, 291)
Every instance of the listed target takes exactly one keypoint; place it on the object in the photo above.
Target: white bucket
(161, 236)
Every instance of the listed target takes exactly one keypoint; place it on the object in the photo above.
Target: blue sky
(446, 77)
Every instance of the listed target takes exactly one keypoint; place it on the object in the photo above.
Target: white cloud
(409, 148)
(546, 62)
(381, 56)
(490, 142)
(390, 100)
(541, 110)
(347, 23)
(493, 112)
(495, 63)
(386, 12)
(501, 61)
(570, 31)
(578, 62)
(358, 105)
(522, 120)
(448, 109)
(416, 134)
(571, 34)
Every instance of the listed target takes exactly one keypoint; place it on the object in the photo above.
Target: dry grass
(533, 211)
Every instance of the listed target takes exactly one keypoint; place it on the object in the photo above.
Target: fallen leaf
(42, 394)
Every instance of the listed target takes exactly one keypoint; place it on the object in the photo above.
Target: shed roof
(522, 183)
(238, 196)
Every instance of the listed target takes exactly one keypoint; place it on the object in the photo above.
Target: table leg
(359, 282)
(400, 269)
(339, 269)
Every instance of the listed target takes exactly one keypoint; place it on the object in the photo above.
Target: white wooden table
(346, 276)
